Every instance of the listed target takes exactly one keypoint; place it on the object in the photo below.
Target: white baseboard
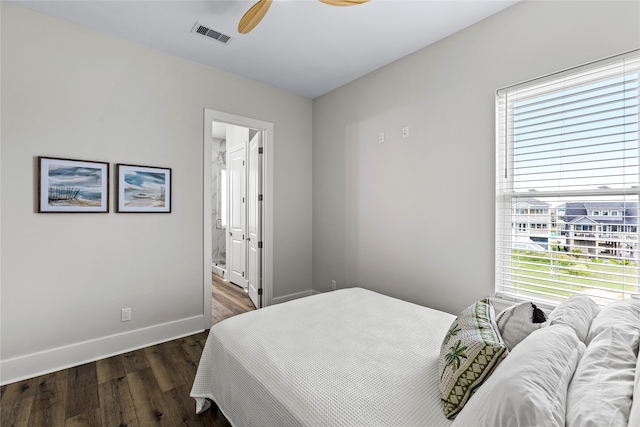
(291, 297)
(44, 362)
(220, 271)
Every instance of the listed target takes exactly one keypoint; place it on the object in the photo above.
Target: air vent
(212, 34)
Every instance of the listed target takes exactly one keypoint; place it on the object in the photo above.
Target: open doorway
(219, 200)
(238, 204)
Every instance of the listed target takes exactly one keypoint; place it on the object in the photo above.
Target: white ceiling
(302, 46)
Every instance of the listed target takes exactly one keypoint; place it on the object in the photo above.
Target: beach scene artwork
(143, 189)
(73, 186)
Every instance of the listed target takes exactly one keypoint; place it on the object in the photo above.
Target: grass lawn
(567, 273)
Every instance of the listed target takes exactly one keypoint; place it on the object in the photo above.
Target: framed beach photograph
(143, 189)
(72, 186)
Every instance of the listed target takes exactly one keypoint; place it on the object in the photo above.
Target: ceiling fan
(258, 10)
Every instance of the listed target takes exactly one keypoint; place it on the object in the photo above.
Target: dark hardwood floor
(146, 387)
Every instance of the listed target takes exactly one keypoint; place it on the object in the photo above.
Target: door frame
(267, 129)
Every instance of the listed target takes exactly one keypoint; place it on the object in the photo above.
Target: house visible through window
(567, 162)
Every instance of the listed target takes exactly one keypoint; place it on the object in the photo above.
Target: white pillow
(577, 312)
(518, 321)
(601, 391)
(620, 314)
(529, 388)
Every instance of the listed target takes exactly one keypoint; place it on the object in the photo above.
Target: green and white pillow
(469, 353)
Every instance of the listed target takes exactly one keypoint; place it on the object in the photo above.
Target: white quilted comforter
(345, 358)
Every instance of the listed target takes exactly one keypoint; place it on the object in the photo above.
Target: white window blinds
(567, 183)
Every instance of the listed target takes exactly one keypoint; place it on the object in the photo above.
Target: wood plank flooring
(146, 387)
(228, 300)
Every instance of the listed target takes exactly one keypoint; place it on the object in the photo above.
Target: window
(570, 141)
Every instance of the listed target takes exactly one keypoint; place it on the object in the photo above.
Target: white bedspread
(345, 358)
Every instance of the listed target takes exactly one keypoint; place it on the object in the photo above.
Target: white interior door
(254, 229)
(236, 251)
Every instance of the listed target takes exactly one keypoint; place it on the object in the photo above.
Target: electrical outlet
(125, 315)
(405, 132)
(333, 285)
(381, 137)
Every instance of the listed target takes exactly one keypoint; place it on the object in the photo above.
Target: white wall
(414, 218)
(74, 93)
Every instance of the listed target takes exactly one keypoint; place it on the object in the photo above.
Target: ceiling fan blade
(343, 2)
(253, 16)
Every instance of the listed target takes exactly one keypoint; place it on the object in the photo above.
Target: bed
(354, 357)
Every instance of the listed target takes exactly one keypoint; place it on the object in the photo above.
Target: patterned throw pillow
(470, 352)
(518, 321)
